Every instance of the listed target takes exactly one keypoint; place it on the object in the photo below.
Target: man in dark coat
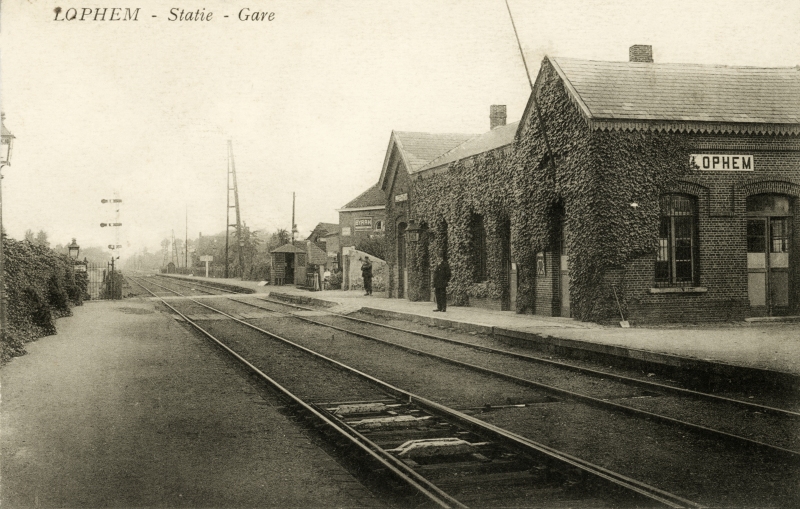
(366, 273)
(441, 277)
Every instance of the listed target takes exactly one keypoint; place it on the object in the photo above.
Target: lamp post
(6, 142)
(74, 249)
(412, 232)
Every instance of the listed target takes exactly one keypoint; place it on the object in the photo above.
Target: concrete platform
(124, 407)
(767, 352)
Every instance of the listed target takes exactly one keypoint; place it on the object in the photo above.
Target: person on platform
(441, 277)
(366, 273)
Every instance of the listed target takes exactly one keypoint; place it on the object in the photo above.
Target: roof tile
(685, 92)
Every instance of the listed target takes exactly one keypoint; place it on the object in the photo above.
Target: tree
(249, 245)
(41, 239)
(29, 237)
(279, 238)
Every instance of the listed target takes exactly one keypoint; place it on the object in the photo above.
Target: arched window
(676, 262)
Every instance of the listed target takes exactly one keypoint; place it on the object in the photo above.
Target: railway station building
(651, 191)
(406, 153)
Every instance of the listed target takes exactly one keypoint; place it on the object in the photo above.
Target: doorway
(769, 235)
(563, 268)
(401, 260)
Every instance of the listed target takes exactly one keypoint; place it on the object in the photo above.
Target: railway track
(436, 451)
(788, 419)
(759, 455)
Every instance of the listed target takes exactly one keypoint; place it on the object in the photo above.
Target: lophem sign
(722, 162)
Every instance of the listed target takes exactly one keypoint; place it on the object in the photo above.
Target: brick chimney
(497, 115)
(641, 53)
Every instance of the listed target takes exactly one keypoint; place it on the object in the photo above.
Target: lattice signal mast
(233, 188)
(175, 258)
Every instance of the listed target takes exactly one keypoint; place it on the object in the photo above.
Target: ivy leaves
(40, 285)
(593, 178)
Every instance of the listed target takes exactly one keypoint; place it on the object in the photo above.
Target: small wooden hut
(288, 265)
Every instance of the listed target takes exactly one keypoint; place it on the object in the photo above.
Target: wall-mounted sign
(363, 223)
(401, 197)
(722, 162)
(346, 231)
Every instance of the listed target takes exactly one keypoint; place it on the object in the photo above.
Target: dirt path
(125, 408)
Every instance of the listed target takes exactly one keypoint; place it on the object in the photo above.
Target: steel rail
(398, 468)
(601, 403)
(173, 281)
(177, 292)
(531, 358)
(517, 441)
(180, 282)
(150, 291)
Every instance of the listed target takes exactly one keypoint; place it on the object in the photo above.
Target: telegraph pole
(294, 226)
(233, 188)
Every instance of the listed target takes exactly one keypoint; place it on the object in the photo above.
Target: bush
(258, 272)
(335, 280)
(40, 286)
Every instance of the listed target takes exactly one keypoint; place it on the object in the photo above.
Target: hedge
(40, 286)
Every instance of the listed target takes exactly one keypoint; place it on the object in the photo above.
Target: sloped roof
(420, 148)
(683, 96)
(372, 197)
(496, 138)
(417, 149)
(316, 256)
(323, 229)
(288, 248)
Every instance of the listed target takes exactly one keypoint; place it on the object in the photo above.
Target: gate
(104, 281)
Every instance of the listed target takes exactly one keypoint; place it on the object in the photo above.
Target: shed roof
(288, 248)
(496, 138)
(683, 96)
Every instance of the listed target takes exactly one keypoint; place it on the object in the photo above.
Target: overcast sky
(144, 108)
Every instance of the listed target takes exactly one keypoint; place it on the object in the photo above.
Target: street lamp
(6, 142)
(5, 147)
(412, 232)
(74, 249)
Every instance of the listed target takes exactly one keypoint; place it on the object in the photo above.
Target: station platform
(125, 407)
(760, 351)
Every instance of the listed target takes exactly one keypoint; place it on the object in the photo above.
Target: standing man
(441, 277)
(366, 273)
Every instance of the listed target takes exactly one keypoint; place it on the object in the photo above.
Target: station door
(769, 234)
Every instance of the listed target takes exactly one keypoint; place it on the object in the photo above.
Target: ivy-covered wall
(397, 183)
(446, 203)
(40, 286)
(558, 174)
(591, 178)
